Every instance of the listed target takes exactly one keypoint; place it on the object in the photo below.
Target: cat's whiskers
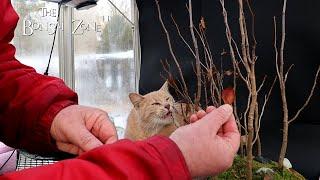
(153, 127)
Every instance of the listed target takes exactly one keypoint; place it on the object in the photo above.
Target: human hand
(200, 114)
(206, 149)
(77, 129)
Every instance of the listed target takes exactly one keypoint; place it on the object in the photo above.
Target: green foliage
(238, 171)
(117, 35)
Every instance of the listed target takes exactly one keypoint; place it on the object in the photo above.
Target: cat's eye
(155, 103)
(167, 99)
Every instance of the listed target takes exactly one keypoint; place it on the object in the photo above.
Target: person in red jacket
(30, 102)
(40, 114)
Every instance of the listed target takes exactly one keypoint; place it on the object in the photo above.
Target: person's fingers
(111, 139)
(215, 119)
(230, 125)
(104, 130)
(231, 133)
(85, 140)
(193, 118)
(69, 148)
(220, 132)
(210, 109)
(201, 114)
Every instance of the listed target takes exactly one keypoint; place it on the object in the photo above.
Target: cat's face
(155, 108)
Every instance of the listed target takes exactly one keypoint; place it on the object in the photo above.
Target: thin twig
(206, 40)
(309, 97)
(170, 48)
(206, 49)
(253, 52)
(261, 85)
(266, 98)
(212, 66)
(195, 44)
(244, 35)
(275, 46)
(205, 88)
(286, 76)
(247, 109)
(182, 38)
(173, 84)
(247, 45)
(229, 38)
(237, 50)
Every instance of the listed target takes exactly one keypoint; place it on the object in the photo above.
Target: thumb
(217, 117)
(231, 133)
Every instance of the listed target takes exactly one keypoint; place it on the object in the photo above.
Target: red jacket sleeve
(28, 101)
(155, 158)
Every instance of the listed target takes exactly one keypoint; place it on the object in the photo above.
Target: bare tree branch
(275, 46)
(253, 52)
(170, 48)
(279, 66)
(195, 44)
(182, 38)
(261, 85)
(266, 98)
(308, 99)
(285, 77)
(206, 49)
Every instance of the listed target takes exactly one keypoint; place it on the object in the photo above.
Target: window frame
(66, 46)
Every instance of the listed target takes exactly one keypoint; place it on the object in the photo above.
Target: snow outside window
(103, 50)
(104, 58)
(34, 34)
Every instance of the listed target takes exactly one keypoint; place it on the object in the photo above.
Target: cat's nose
(167, 106)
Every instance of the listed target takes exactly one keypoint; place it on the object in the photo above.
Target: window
(33, 35)
(98, 61)
(103, 56)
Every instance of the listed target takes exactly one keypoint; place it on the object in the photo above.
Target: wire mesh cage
(16, 159)
(26, 160)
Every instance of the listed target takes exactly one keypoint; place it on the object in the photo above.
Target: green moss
(238, 171)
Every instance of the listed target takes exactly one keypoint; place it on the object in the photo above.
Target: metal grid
(26, 160)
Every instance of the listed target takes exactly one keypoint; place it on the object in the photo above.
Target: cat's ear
(135, 99)
(165, 87)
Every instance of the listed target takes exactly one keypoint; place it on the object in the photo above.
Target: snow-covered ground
(117, 55)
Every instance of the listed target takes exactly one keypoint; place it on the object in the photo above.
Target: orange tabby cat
(153, 114)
